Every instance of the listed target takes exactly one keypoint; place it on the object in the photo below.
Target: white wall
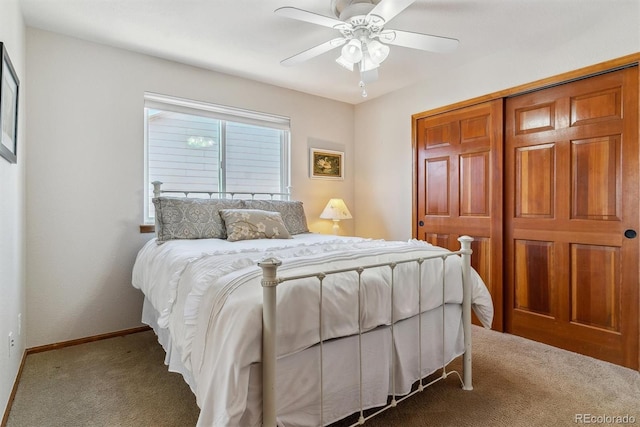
(12, 214)
(383, 126)
(85, 174)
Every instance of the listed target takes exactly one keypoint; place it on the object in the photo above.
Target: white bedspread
(209, 295)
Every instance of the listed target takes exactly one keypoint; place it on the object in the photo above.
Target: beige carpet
(123, 382)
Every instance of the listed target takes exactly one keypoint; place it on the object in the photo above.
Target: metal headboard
(157, 192)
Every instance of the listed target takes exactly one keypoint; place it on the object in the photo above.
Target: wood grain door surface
(571, 194)
(459, 187)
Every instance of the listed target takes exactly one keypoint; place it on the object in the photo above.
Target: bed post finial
(465, 249)
(156, 188)
(269, 283)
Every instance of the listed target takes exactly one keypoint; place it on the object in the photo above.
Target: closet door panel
(459, 187)
(534, 276)
(535, 181)
(474, 184)
(571, 193)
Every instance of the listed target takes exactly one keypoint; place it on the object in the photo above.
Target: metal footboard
(270, 281)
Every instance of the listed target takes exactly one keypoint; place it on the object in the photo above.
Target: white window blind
(194, 146)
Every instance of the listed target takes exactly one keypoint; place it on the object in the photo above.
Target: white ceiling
(245, 37)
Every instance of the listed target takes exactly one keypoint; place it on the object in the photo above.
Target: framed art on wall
(326, 164)
(9, 85)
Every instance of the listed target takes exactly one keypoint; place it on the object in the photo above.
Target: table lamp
(336, 210)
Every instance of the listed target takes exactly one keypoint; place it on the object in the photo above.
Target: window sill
(147, 228)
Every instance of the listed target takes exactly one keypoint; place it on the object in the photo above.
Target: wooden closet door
(459, 187)
(571, 191)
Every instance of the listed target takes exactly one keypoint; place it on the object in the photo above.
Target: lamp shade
(352, 51)
(336, 210)
(368, 64)
(378, 51)
(346, 64)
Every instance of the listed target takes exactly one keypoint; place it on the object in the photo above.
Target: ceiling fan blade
(313, 52)
(306, 16)
(419, 41)
(388, 9)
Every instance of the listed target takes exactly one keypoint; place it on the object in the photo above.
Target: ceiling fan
(364, 39)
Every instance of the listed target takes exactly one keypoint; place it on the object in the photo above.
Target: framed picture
(9, 85)
(326, 164)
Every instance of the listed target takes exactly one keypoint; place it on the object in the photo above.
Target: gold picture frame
(326, 164)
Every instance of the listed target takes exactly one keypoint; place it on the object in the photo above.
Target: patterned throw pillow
(184, 218)
(248, 224)
(292, 213)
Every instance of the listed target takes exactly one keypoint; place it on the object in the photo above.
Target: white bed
(204, 301)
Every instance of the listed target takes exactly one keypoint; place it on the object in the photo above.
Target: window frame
(224, 114)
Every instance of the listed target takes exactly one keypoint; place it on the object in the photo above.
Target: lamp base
(336, 226)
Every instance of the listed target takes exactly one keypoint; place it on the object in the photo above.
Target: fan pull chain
(364, 91)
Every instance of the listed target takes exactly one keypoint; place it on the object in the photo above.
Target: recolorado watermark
(604, 419)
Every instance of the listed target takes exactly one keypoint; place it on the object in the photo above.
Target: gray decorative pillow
(248, 224)
(292, 212)
(184, 218)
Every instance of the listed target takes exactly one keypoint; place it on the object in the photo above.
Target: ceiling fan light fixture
(377, 51)
(344, 63)
(352, 51)
(367, 63)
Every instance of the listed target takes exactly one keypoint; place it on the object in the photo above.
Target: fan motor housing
(346, 9)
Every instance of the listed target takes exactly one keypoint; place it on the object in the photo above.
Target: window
(195, 146)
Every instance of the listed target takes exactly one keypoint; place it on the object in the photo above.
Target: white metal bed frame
(270, 281)
(157, 192)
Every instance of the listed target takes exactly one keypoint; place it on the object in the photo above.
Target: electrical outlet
(12, 342)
